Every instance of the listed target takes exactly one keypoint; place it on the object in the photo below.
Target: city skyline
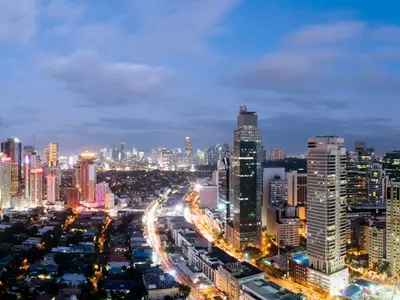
(328, 68)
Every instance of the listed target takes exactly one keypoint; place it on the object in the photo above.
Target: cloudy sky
(90, 73)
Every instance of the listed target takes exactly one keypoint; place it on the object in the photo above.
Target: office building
(391, 165)
(52, 188)
(393, 226)
(36, 187)
(12, 148)
(141, 154)
(5, 182)
(109, 201)
(231, 277)
(376, 183)
(246, 181)
(358, 170)
(123, 150)
(274, 190)
(223, 188)
(283, 223)
(86, 176)
(102, 189)
(53, 154)
(188, 150)
(376, 244)
(278, 154)
(72, 198)
(114, 153)
(296, 188)
(326, 208)
(217, 152)
(31, 161)
(46, 156)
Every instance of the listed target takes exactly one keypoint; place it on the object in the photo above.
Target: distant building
(376, 183)
(278, 154)
(223, 187)
(188, 150)
(5, 182)
(12, 148)
(297, 188)
(109, 201)
(86, 176)
(73, 198)
(51, 188)
(123, 150)
(36, 187)
(274, 190)
(53, 155)
(391, 165)
(102, 189)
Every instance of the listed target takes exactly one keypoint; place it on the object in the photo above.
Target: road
(157, 246)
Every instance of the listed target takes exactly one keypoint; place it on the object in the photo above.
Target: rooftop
(264, 289)
(157, 279)
(242, 269)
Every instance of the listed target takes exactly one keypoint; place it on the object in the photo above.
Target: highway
(167, 263)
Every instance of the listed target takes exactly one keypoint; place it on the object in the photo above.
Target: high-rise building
(188, 149)
(86, 176)
(5, 182)
(114, 153)
(36, 187)
(31, 162)
(12, 148)
(109, 201)
(278, 154)
(123, 150)
(72, 198)
(46, 156)
(376, 183)
(141, 154)
(246, 181)
(391, 165)
(376, 244)
(358, 169)
(297, 188)
(51, 183)
(102, 189)
(326, 211)
(53, 155)
(393, 226)
(223, 188)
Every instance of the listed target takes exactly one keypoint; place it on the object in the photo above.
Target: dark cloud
(103, 83)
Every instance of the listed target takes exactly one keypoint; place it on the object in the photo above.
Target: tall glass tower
(246, 181)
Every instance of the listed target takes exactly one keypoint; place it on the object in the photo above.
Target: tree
(6, 219)
(185, 290)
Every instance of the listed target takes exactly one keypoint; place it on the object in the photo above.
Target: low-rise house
(159, 284)
(73, 280)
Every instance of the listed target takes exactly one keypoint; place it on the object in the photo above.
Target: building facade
(188, 150)
(86, 176)
(326, 208)
(52, 188)
(296, 188)
(246, 199)
(5, 182)
(12, 148)
(393, 226)
(36, 186)
(376, 244)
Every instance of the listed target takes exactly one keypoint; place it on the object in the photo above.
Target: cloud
(106, 83)
(386, 33)
(63, 9)
(325, 34)
(179, 26)
(17, 21)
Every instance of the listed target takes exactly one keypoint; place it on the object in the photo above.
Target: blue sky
(91, 73)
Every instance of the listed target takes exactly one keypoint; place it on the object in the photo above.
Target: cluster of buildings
(202, 260)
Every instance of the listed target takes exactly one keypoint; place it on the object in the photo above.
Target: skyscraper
(5, 182)
(31, 162)
(36, 187)
(86, 176)
(188, 149)
(12, 148)
(326, 210)
(391, 165)
(123, 150)
(376, 183)
(246, 181)
(223, 187)
(358, 169)
(51, 188)
(393, 226)
(297, 188)
(53, 155)
(72, 197)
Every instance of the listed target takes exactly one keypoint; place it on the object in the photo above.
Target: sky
(88, 74)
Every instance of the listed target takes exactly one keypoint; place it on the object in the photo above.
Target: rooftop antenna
(34, 142)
